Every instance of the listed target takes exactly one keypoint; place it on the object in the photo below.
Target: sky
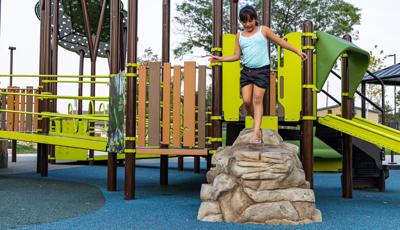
(20, 28)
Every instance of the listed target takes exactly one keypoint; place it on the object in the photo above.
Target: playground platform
(172, 207)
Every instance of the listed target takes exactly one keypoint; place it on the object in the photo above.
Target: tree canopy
(336, 17)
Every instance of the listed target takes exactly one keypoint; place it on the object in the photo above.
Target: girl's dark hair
(248, 13)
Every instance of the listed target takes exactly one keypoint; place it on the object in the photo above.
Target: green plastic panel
(74, 142)
(268, 122)
(71, 127)
(370, 132)
(231, 100)
(290, 79)
(329, 48)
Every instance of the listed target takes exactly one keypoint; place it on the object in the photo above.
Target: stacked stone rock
(262, 183)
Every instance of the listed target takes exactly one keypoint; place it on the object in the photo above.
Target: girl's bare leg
(258, 95)
(247, 95)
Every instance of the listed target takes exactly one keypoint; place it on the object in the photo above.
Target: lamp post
(394, 62)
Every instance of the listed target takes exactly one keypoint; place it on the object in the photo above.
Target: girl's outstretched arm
(270, 35)
(234, 57)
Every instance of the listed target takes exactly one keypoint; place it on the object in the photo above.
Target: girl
(252, 47)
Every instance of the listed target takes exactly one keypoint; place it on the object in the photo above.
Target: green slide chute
(329, 48)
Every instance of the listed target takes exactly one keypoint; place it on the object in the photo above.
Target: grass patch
(26, 148)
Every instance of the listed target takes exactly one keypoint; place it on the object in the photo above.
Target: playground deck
(176, 206)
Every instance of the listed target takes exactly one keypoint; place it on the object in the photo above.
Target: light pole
(394, 62)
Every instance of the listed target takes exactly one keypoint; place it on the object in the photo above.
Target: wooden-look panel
(10, 106)
(176, 109)
(16, 108)
(35, 109)
(201, 103)
(175, 152)
(272, 93)
(29, 108)
(166, 103)
(142, 107)
(189, 101)
(154, 104)
(3, 114)
(23, 109)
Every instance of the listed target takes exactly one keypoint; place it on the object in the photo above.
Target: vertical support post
(114, 53)
(165, 58)
(216, 116)
(39, 102)
(130, 158)
(80, 84)
(93, 41)
(11, 48)
(363, 106)
(45, 68)
(54, 53)
(54, 68)
(266, 16)
(306, 129)
(13, 142)
(347, 108)
(234, 16)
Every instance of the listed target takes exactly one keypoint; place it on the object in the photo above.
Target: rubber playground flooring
(176, 206)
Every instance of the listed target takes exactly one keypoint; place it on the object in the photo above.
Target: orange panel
(22, 115)
(189, 101)
(16, 108)
(201, 103)
(3, 114)
(142, 107)
(29, 108)
(10, 106)
(166, 103)
(176, 110)
(35, 109)
(175, 152)
(154, 104)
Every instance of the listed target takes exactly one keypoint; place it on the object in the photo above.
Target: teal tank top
(254, 50)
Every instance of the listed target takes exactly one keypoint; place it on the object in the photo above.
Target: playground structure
(302, 80)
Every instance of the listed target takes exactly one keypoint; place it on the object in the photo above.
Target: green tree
(148, 56)
(374, 91)
(336, 17)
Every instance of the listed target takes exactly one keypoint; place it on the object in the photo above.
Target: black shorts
(257, 76)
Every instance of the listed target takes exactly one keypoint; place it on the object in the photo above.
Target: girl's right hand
(215, 58)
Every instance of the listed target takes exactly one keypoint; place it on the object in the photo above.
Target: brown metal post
(347, 108)
(266, 16)
(13, 142)
(217, 76)
(45, 59)
(306, 132)
(166, 17)
(11, 48)
(363, 106)
(234, 16)
(114, 54)
(93, 43)
(54, 68)
(54, 58)
(80, 84)
(130, 158)
(41, 67)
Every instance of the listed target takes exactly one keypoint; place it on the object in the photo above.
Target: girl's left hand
(302, 55)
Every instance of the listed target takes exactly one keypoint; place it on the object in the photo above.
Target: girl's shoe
(256, 141)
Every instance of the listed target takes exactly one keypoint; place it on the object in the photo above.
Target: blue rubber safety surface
(176, 206)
